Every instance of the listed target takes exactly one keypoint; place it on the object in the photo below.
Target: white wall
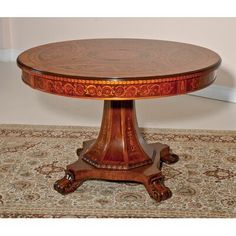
(6, 33)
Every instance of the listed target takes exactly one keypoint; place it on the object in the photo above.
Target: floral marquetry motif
(118, 68)
(111, 90)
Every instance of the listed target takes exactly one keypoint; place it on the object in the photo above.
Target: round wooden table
(119, 71)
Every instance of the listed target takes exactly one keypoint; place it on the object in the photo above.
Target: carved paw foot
(158, 190)
(170, 159)
(67, 184)
(79, 151)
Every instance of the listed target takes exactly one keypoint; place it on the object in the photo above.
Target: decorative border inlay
(108, 89)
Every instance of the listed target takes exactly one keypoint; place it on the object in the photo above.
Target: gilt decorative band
(116, 90)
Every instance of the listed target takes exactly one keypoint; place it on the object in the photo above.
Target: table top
(118, 68)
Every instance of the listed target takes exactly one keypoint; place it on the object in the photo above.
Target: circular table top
(118, 68)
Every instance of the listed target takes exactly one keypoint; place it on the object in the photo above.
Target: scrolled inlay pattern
(103, 89)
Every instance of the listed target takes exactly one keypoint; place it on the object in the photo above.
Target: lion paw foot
(159, 191)
(67, 184)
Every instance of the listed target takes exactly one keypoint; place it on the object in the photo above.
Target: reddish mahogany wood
(118, 59)
(119, 71)
(118, 68)
(119, 144)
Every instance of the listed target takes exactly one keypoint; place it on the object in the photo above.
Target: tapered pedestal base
(120, 154)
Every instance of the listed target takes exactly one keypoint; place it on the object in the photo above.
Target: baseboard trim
(217, 92)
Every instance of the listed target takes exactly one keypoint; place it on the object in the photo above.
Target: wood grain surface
(118, 68)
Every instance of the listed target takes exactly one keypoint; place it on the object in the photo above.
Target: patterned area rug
(32, 158)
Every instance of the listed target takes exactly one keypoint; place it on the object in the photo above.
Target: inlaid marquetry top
(118, 68)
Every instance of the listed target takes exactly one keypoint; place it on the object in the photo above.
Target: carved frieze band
(105, 89)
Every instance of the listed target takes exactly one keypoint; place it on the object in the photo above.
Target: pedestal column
(119, 145)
